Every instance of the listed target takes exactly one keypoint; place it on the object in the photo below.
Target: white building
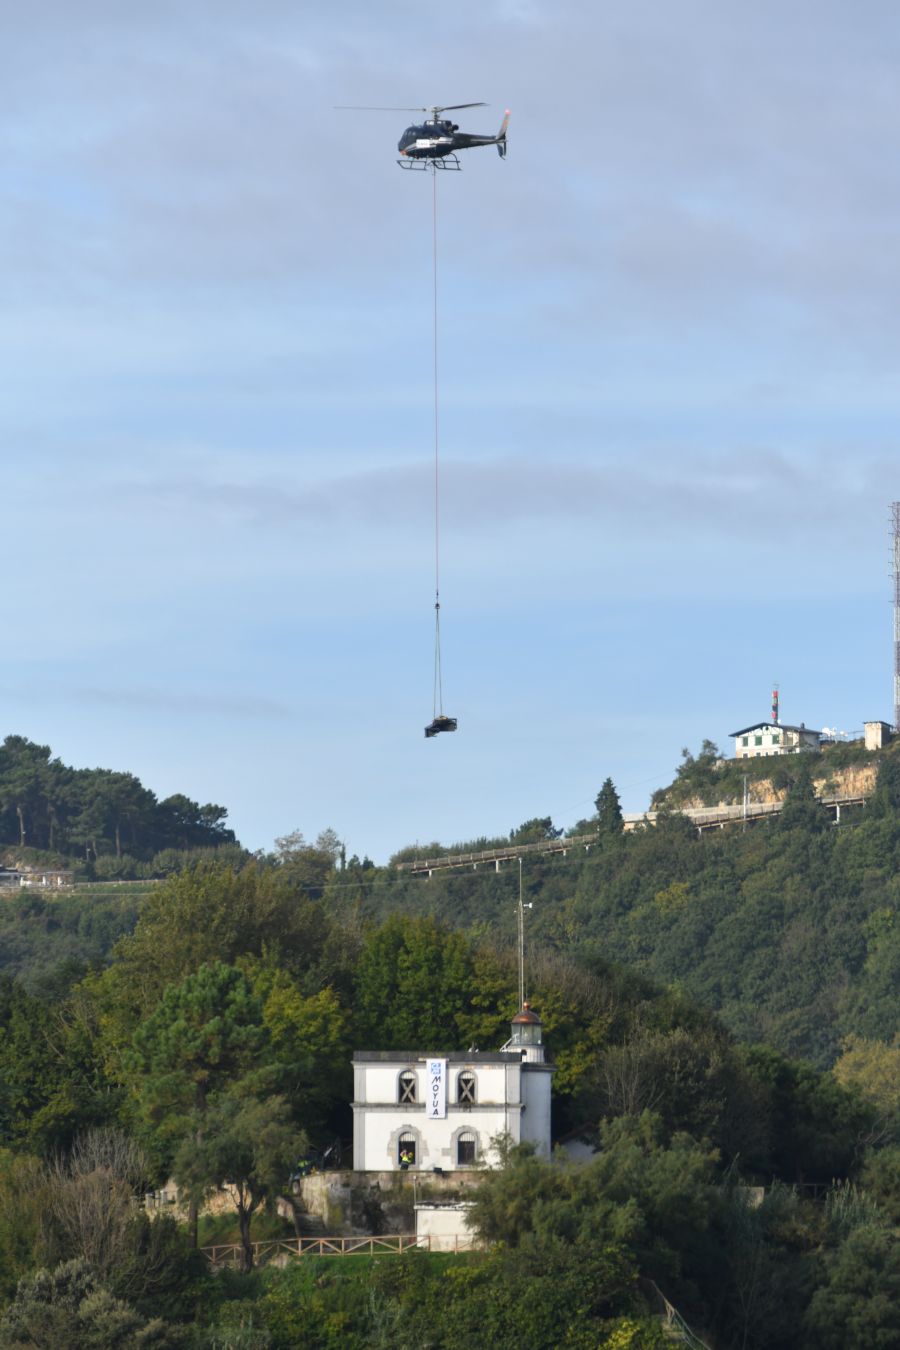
(445, 1226)
(35, 876)
(441, 1110)
(773, 738)
(877, 735)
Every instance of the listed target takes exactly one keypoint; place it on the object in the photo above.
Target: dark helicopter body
(440, 137)
(434, 143)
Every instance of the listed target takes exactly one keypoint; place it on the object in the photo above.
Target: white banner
(437, 1089)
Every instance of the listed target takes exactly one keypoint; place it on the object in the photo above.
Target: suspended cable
(439, 721)
(438, 708)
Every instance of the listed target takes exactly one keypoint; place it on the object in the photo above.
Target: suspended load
(440, 723)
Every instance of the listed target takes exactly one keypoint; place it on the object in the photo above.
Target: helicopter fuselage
(431, 140)
(440, 137)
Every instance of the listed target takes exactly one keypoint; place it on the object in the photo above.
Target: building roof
(774, 726)
(454, 1056)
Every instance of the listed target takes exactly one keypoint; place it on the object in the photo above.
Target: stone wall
(355, 1204)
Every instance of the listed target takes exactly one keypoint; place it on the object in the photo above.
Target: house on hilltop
(773, 738)
(440, 1112)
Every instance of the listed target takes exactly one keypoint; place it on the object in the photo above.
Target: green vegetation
(708, 779)
(788, 930)
(722, 1012)
(108, 821)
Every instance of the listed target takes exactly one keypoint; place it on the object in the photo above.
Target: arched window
(406, 1087)
(465, 1088)
(465, 1149)
(406, 1149)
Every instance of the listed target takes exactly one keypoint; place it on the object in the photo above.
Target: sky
(669, 344)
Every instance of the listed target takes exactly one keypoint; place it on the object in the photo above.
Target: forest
(107, 822)
(722, 1012)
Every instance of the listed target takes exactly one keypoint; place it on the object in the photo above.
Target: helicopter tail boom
(464, 141)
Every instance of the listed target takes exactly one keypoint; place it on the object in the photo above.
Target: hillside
(846, 768)
(789, 930)
(103, 822)
(210, 1042)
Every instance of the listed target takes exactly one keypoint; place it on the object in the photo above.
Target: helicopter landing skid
(445, 162)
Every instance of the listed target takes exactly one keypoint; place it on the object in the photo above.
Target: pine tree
(609, 809)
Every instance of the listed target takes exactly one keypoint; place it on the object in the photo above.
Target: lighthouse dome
(526, 1029)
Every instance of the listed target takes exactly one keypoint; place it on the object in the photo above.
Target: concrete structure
(877, 734)
(444, 1227)
(773, 738)
(439, 1112)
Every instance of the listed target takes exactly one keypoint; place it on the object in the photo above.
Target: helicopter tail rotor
(501, 135)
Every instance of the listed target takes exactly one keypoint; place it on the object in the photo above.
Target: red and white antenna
(775, 704)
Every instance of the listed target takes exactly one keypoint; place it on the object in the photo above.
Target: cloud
(176, 702)
(752, 491)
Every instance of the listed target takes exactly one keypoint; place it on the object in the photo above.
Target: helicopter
(434, 142)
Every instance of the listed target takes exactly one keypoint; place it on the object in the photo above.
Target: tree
(48, 1088)
(22, 1210)
(208, 1081)
(412, 983)
(22, 766)
(881, 1179)
(544, 1293)
(206, 1031)
(685, 1074)
(308, 866)
(160, 1273)
(859, 1306)
(90, 1197)
(209, 913)
(130, 808)
(814, 1125)
(873, 1069)
(206, 1034)
(609, 810)
(639, 1189)
(185, 824)
(310, 1040)
(885, 801)
(802, 809)
(69, 1307)
(248, 1145)
(534, 831)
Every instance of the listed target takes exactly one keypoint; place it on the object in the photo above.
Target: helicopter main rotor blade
(361, 107)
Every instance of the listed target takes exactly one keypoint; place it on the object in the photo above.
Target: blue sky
(670, 342)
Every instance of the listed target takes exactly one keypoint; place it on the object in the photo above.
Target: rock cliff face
(856, 781)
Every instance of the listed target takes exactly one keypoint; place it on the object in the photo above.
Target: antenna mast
(521, 941)
(521, 944)
(895, 567)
